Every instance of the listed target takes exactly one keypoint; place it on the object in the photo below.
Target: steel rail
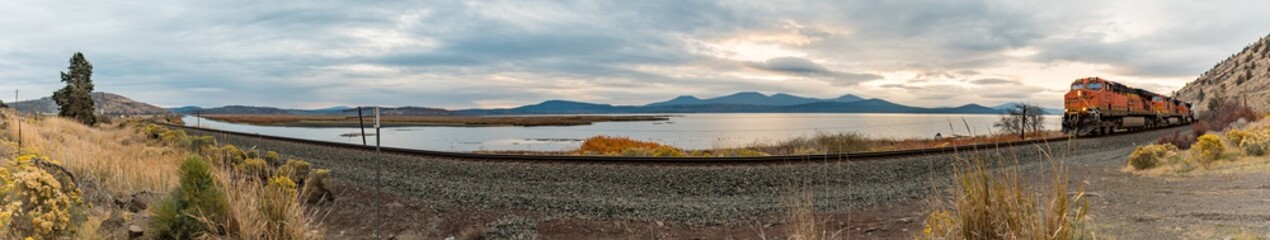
(855, 156)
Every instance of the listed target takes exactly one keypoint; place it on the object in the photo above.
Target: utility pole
(379, 199)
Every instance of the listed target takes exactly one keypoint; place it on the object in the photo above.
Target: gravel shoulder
(877, 198)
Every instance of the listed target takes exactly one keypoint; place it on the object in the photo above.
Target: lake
(687, 131)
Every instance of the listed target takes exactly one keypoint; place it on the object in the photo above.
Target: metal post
(379, 199)
(361, 124)
(198, 118)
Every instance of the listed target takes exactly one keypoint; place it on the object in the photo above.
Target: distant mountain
(1010, 105)
(103, 103)
(752, 98)
(860, 106)
(743, 102)
(232, 109)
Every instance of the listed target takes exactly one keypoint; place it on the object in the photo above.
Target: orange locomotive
(1097, 106)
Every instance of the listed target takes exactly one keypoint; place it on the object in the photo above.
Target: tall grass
(996, 205)
(120, 160)
(115, 159)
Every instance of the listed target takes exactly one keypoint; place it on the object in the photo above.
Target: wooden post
(361, 124)
(1023, 123)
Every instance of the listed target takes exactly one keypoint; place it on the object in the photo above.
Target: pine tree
(75, 100)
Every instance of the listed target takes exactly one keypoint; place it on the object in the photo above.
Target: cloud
(804, 67)
(994, 81)
(461, 54)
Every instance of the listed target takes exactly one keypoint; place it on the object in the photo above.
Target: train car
(1096, 106)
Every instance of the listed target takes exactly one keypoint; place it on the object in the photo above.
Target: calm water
(689, 131)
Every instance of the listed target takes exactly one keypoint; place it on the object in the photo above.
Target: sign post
(379, 165)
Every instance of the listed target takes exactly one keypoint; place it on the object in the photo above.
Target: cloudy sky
(464, 54)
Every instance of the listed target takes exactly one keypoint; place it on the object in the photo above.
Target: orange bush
(607, 145)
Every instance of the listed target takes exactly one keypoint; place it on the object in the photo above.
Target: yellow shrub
(665, 151)
(254, 167)
(272, 158)
(295, 170)
(1236, 136)
(1207, 149)
(233, 155)
(1256, 144)
(1150, 156)
(36, 203)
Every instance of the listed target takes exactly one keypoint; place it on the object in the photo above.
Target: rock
(115, 221)
(140, 201)
(135, 231)
(660, 224)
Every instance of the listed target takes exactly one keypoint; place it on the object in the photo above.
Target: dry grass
(801, 220)
(257, 213)
(114, 158)
(120, 161)
(997, 205)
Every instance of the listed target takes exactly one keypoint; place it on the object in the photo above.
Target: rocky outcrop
(1244, 77)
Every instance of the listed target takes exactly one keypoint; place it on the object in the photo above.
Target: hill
(337, 110)
(1244, 76)
(104, 103)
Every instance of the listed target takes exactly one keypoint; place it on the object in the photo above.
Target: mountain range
(743, 102)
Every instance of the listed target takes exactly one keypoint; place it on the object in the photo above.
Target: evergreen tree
(75, 100)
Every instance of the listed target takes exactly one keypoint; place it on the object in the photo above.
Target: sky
(493, 54)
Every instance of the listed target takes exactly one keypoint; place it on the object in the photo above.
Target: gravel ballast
(691, 195)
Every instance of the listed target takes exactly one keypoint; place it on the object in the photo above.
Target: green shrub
(1207, 149)
(272, 158)
(1150, 156)
(198, 199)
(252, 153)
(665, 151)
(296, 170)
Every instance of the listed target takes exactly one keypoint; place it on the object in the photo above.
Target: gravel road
(688, 195)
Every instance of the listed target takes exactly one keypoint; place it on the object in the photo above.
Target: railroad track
(856, 156)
